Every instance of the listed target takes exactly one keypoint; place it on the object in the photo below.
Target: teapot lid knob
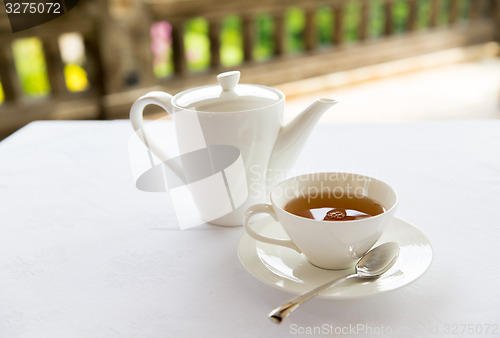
(228, 80)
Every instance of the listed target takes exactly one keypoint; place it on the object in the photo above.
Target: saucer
(290, 271)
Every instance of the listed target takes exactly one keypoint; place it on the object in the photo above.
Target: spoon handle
(281, 312)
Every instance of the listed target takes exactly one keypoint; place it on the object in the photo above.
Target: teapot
(232, 142)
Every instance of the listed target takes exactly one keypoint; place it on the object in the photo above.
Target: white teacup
(327, 244)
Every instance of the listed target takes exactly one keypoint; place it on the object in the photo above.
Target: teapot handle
(162, 100)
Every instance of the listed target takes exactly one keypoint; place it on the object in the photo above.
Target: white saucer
(287, 270)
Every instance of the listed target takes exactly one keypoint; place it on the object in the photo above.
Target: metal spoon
(373, 264)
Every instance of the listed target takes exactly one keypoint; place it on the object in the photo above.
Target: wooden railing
(18, 108)
(341, 54)
(119, 57)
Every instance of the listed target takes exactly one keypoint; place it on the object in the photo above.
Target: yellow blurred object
(76, 78)
(2, 96)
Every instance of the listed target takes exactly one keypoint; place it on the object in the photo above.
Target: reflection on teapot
(241, 120)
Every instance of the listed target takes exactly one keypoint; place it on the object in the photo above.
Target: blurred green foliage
(443, 15)
(463, 9)
(31, 67)
(376, 18)
(423, 13)
(295, 24)
(324, 22)
(444, 12)
(231, 49)
(32, 70)
(163, 69)
(197, 44)
(400, 12)
(264, 41)
(352, 19)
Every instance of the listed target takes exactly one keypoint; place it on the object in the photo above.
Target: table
(83, 253)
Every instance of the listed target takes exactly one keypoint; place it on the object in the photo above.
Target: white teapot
(232, 140)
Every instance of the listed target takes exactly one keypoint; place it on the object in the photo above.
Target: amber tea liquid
(331, 208)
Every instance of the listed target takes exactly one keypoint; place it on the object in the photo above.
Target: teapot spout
(293, 136)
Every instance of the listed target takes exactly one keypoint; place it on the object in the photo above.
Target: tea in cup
(332, 218)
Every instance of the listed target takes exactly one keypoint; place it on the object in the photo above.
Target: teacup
(327, 244)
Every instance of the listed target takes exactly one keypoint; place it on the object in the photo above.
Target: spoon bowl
(377, 261)
(373, 264)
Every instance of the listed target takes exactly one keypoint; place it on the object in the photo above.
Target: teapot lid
(228, 96)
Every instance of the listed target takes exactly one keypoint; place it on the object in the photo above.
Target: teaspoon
(373, 264)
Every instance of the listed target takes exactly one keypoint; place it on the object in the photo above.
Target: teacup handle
(162, 100)
(266, 209)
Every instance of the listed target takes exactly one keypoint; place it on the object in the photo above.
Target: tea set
(247, 118)
(235, 152)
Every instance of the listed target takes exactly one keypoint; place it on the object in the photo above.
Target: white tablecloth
(83, 253)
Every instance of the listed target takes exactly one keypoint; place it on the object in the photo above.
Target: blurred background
(383, 60)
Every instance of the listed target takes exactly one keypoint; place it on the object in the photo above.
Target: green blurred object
(352, 19)
(444, 12)
(264, 44)
(400, 12)
(376, 18)
(231, 49)
(295, 24)
(423, 14)
(2, 95)
(197, 44)
(31, 67)
(163, 69)
(324, 22)
(463, 9)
